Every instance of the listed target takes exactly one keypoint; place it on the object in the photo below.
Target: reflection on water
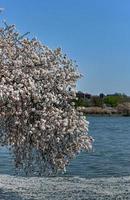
(89, 176)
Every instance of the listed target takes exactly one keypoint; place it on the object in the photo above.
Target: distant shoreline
(107, 111)
(106, 115)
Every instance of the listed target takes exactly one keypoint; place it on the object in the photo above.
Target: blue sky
(95, 33)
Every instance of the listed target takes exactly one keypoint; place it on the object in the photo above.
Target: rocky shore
(122, 109)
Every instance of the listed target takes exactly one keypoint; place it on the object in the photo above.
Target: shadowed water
(103, 173)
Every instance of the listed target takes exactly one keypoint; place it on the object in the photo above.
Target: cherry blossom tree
(39, 121)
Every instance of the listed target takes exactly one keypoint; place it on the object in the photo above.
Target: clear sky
(95, 33)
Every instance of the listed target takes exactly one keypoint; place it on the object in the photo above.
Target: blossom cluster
(42, 127)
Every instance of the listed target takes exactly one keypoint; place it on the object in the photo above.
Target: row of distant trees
(101, 100)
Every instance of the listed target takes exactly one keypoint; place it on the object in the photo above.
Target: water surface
(111, 150)
(103, 173)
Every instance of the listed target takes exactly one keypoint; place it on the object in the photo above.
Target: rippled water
(103, 173)
(111, 153)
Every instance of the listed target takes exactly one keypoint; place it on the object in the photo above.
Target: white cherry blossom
(37, 87)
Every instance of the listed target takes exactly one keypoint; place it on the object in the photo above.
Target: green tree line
(101, 100)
